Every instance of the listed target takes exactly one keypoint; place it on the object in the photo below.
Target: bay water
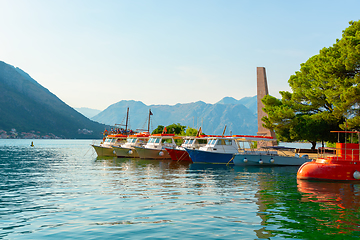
(60, 189)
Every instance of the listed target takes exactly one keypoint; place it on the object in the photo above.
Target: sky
(96, 53)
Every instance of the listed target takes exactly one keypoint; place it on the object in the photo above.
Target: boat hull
(199, 156)
(267, 160)
(178, 154)
(330, 170)
(103, 151)
(148, 153)
(122, 152)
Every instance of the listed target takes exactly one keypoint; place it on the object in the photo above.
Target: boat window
(186, 141)
(212, 142)
(157, 140)
(191, 141)
(108, 140)
(221, 142)
(228, 142)
(201, 141)
(151, 140)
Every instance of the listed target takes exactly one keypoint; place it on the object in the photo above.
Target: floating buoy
(261, 162)
(130, 151)
(32, 144)
(161, 153)
(272, 160)
(245, 160)
(356, 175)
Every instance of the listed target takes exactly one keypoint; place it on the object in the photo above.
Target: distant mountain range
(27, 108)
(88, 112)
(233, 113)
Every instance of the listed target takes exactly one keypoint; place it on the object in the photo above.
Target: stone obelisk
(262, 90)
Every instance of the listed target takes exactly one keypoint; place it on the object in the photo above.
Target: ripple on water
(59, 189)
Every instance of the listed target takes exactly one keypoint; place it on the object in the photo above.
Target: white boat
(155, 147)
(267, 156)
(127, 150)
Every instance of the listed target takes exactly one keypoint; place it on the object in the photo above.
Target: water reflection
(340, 200)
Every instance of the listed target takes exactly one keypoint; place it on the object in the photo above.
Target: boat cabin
(115, 140)
(220, 144)
(193, 142)
(139, 139)
(160, 141)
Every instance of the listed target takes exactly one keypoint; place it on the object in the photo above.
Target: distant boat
(155, 147)
(343, 164)
(179, 153)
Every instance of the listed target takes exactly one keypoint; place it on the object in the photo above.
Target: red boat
(180, 154)
(343, 165)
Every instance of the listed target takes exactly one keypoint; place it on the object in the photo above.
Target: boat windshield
(154, 140)
(227, 142)
(131, 140)
(191, 141)
(212, 142)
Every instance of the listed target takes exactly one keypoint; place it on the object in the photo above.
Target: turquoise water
(59, 189)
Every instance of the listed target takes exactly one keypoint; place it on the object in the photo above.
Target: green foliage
(177, 129)
(191, 131)
(158, 130)
(174, 128)
(325, 94)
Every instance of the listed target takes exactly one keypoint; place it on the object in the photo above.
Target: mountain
(88, 112)
(212, 117)
(249, 102)
(28, 107)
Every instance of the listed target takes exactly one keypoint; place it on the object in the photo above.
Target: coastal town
(13, 134)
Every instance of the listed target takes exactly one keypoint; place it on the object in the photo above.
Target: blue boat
(200, 156)
(219, 149)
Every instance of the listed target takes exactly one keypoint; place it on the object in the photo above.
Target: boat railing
(255, 151)
(339, 153)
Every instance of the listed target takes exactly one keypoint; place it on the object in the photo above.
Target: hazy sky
(96, 53)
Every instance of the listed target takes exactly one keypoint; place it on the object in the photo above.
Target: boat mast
(150, 113)
(224, 130)
(127, 118)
